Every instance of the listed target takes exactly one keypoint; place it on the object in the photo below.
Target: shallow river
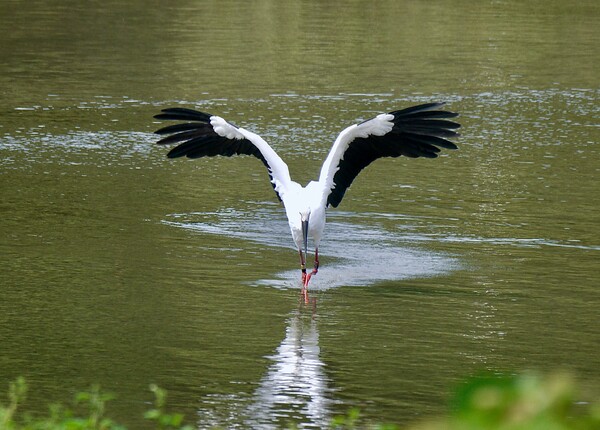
(123, 268)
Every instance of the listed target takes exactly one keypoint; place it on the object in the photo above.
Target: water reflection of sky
(362, 254)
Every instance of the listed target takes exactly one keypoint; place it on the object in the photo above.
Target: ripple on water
(362, 255)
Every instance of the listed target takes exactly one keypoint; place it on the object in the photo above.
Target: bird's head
(305, 215)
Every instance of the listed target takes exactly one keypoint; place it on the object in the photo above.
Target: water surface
(123, 268)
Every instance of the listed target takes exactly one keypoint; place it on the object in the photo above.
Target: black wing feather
(413, 110)
(199, 131)
(183, 114)
(429, 123)
(200, 140)
(430, 114)
(430, 140)
(179, 127)
(419, 131)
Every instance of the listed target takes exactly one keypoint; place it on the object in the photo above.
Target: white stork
(417, 131)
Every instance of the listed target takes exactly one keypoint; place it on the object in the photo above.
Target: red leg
(302, 266)
(305, 277)
(316, 268)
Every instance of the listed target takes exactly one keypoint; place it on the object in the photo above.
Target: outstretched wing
(418, 131)
(205, 135)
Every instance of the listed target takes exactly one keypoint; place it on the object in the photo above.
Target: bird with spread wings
(417, 131)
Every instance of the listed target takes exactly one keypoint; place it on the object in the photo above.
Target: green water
(123, 268)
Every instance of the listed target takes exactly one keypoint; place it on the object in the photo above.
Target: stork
(417, 131)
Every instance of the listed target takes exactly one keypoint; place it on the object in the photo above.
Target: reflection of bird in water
(417, 131)
(295, 384)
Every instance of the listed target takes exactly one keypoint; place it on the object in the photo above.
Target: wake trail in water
(362, 255)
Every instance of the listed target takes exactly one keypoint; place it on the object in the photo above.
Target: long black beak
(305, 238)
